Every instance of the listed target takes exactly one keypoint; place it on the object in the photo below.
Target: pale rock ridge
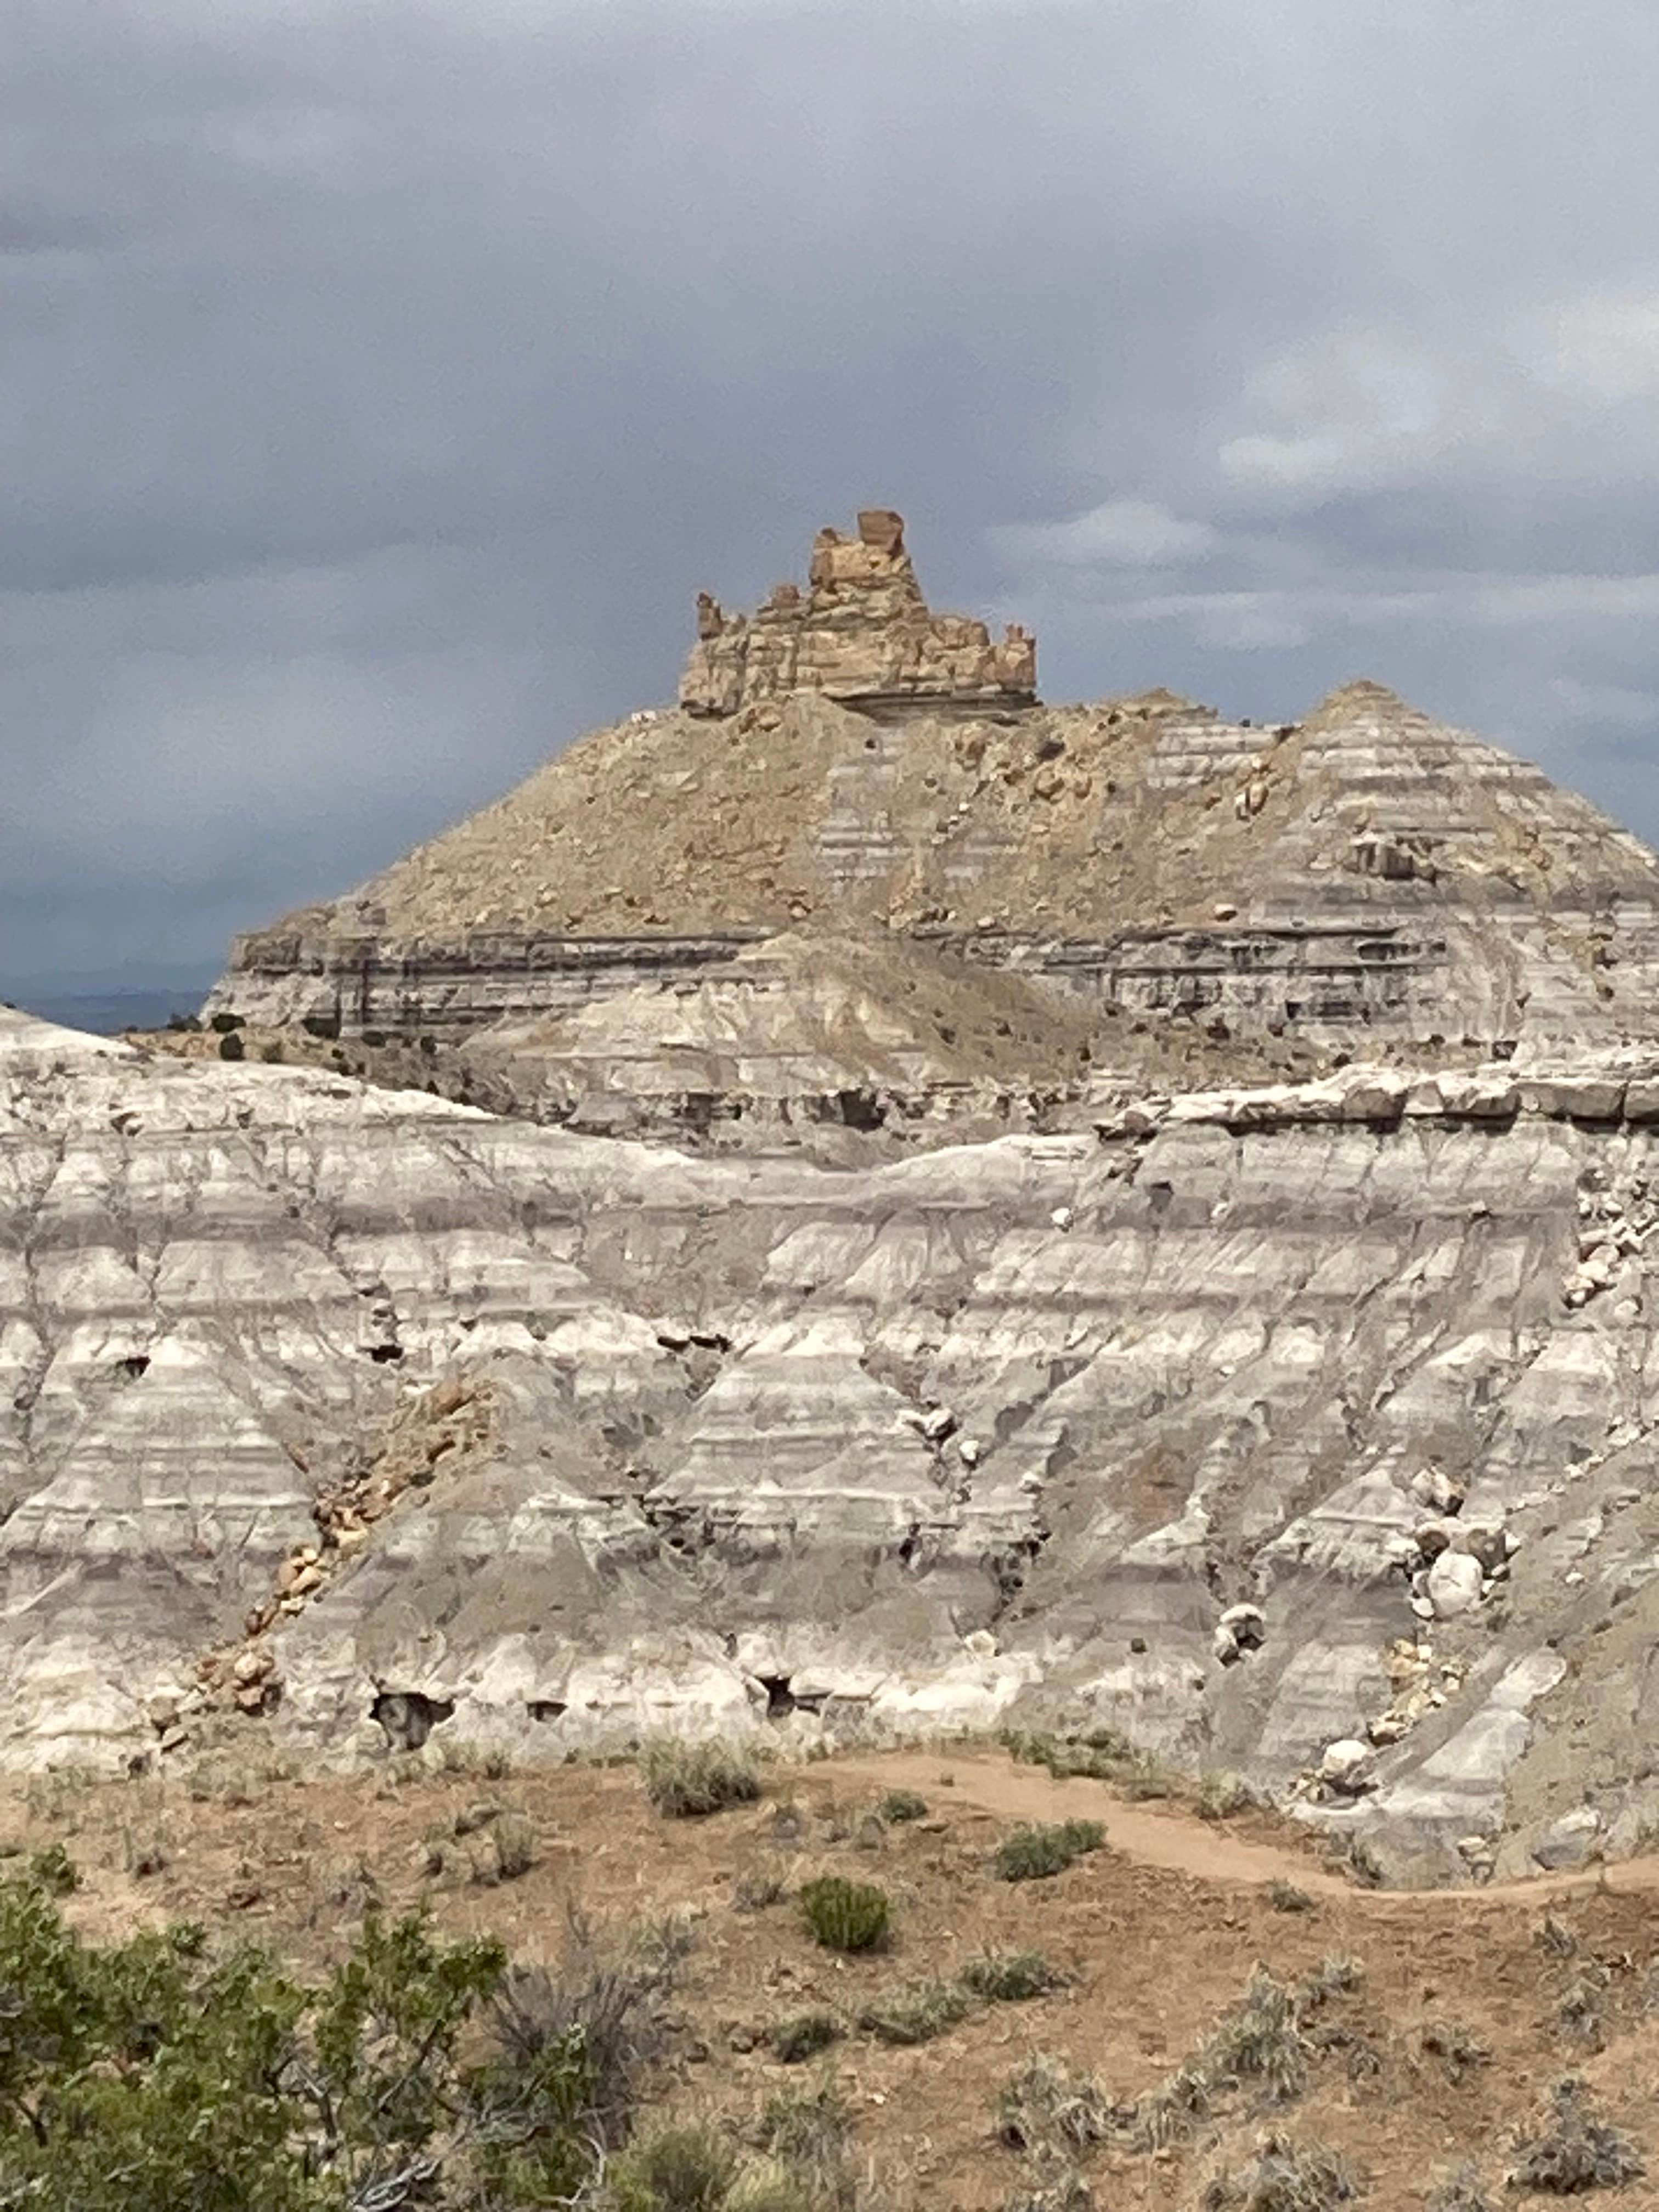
(319, 1401)
(861, 633)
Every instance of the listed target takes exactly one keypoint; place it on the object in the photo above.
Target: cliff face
(1158, 1235)
(1250, 1422)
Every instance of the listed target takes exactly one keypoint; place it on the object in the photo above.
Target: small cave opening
(546, 1709)
(134, 1365)
(384, 1355)
(407, 1717)
(779, 1699)
(860, 1109)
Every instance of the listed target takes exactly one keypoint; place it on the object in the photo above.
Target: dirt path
(1160, 1833)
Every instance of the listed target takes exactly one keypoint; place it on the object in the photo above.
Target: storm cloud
(381, 381)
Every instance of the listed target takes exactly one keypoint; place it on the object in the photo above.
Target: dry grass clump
(699, 2168)
(685, 1781)
(1577, 2151)
(1222, 1796)
(919, 2015)
(807, 2133)
(1450, 2042)
(1460, 2192)
(1285, 2177)
(1046, 2110)
(847, 1915)
(686, 2169)
(608, 1991)
(1035, 1854)
(1285, 1896)
(1263, 2041)
(804, 2037)
(1009, 1976)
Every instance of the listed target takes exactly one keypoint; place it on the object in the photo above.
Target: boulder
(1454, 1584)
(1348, 1765)
(1571, 1841)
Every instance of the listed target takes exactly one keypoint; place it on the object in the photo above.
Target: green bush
(231, 1047)
(847, 1915)
(687, 1780)
(1009, 1976)
(918, 2016)
(1033, 1854)
(901, 1805)
(159, 2072)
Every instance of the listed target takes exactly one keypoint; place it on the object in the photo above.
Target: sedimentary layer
(1294, 1428)
(1366, 874)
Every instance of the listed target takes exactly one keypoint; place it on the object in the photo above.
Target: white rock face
(1348, 1765)
(249, 1312)
(1454, 1584)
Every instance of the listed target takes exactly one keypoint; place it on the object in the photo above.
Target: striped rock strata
(837, 767)
(1253, 1425)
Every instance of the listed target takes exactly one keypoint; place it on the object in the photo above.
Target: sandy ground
(1157, 1935)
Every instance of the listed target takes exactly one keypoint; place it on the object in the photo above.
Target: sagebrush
(687, 1781)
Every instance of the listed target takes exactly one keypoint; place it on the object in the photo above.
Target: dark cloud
(381, 381)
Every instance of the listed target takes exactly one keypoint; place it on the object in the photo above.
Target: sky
(381, 380)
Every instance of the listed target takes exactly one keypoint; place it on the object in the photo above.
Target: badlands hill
(846, 763)
(1262, 1370)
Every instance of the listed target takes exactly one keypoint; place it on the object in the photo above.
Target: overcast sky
(381, 382)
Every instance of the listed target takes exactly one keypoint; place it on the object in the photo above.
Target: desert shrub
(758, 1887)
(1009, 1976)
(1459, 2192)
(807, 2133)
(1220, 1797)
(1046, 2109)
(901, 1805)
(231, 1047)
(1262, 2042)
(1457, 2050)
(918, 2016)
(1577, 2151)
(156, 2073)
(53, 1872)
(1285, 1896)
(1033, 1854)
(1285, 2176)
(687, 1780)
(1063, 2188)
(847, 1915)
(607, 1992)
(686, 2169)
(804, 2036)
(511, 1847)
(1101, 1754)
(225, 1024)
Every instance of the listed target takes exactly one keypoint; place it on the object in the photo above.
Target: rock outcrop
(861, 633)
(355, 1415)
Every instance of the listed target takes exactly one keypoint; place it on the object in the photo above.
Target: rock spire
(861, 633)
